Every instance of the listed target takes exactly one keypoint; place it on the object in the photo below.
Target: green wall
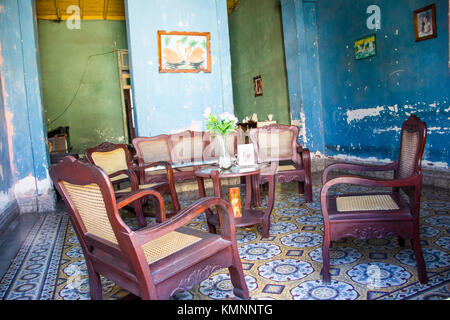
(256, 41)
(95, 115)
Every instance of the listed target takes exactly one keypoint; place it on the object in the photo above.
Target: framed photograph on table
(425, 23)
(246, 155)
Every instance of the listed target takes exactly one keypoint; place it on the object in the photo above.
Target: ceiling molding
(91, 9)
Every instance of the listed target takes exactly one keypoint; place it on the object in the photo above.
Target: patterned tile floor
(286, 266)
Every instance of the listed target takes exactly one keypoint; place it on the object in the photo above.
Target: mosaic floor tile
(285, 266)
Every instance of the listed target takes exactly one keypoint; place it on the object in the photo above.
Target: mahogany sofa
(185, 151)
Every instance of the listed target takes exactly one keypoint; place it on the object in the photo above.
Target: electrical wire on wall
(79, 86)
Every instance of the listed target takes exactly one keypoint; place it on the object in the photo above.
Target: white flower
(228, 117)
(207, 112)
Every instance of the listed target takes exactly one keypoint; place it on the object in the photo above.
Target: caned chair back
(109, 156)
(275, 142)
(413, 136)
(110, 161)
(187, 146)
(89, 203)
(89, 196)
(152, 149)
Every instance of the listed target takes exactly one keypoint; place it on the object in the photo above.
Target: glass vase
(224, 157)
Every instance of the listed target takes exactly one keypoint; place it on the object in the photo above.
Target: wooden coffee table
(250, 216)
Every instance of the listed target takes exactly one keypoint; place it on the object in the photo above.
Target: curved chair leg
(95, 284)
(308, 191)
(421, 268)
(326, 260)
(174, 198)
(137, 206)
(238, 279)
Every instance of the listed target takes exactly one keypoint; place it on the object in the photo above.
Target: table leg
(248, 191)
(256, 191)
(216, 183)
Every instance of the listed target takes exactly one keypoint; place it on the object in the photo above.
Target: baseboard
(8, 217)
(42, 203)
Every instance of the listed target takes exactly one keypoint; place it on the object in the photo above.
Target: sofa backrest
(183, 147)
(152, 149)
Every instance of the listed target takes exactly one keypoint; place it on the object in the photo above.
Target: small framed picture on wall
(257, 84)
(425, 23)
(366, 47)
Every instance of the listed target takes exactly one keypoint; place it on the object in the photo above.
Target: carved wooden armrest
(138, 194)
(165, 164)
(305, 157)
(412, 181)
(184, 216)
(358, 167)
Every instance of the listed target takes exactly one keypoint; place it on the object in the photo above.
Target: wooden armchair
(278, 143)
(116, 161)
(379, 214)
(153, 262)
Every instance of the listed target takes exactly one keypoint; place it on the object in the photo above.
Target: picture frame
(366, 47)
(246, 155)
(258, 86)
(184, 52)
(425, 23)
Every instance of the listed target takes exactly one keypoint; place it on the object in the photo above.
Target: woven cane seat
(286, 168)
(366, 203)
(168, 244)
(141, 187)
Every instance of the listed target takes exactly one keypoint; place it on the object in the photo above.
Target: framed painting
(365, 47)
(180, 51)
(425, 23)
(258, 86)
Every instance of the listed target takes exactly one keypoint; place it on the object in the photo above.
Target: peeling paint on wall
(347, 158)
(360, 114)
(30, 186)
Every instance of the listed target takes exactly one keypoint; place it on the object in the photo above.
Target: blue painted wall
(6, 182)
(22, 103)
(173, 102)
(303, 69)
(364, 102)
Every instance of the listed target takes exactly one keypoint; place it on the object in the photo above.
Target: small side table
(250, 216)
